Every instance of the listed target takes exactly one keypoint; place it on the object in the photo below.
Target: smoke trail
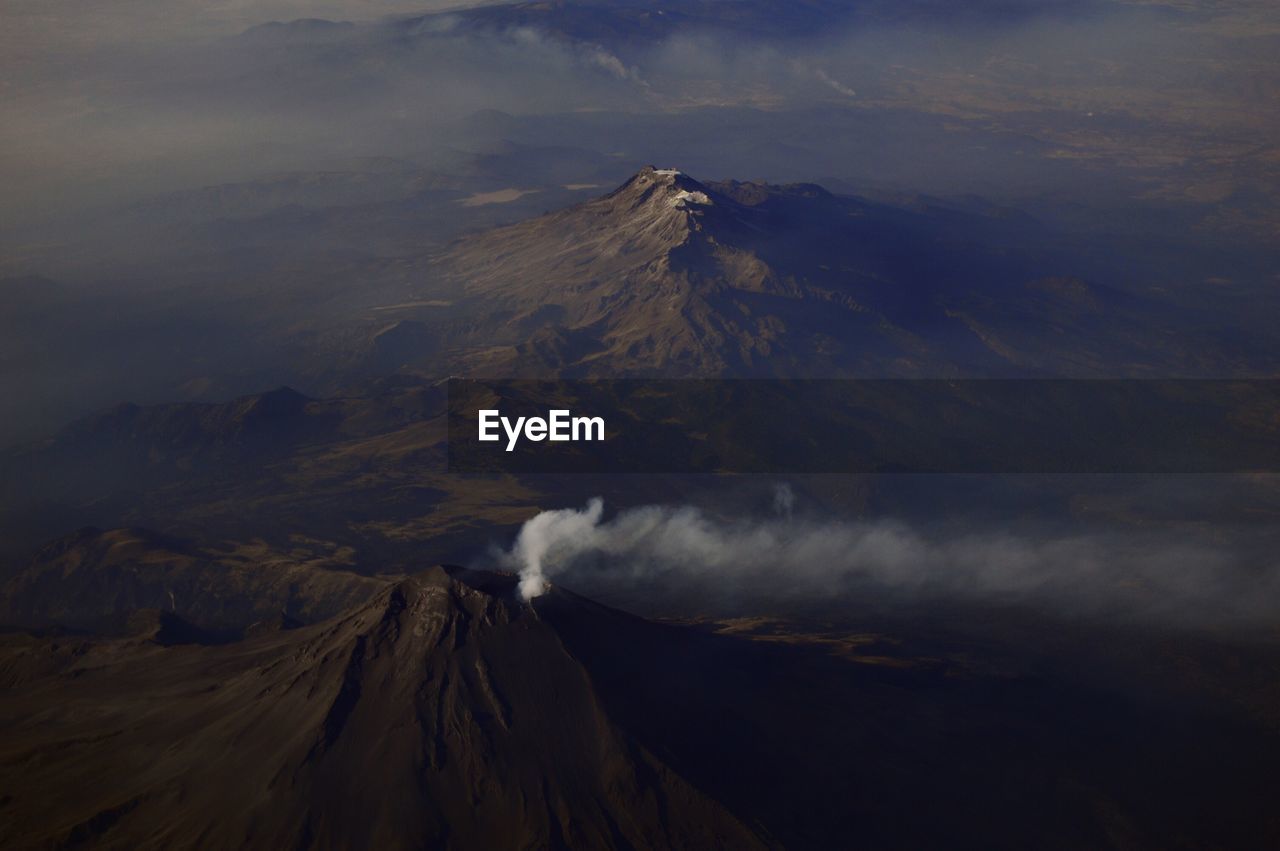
(683, 550)
(554, 534)
(784, 500)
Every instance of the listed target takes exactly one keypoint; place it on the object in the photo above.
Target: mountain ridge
(443, 712)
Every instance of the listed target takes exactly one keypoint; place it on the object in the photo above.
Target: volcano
(444, 714)
(674, 277)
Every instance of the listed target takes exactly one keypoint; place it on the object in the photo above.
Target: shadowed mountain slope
(445, 713)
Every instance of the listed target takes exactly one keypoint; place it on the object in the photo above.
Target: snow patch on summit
(683, 198)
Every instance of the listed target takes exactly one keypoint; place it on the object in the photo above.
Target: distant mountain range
(623, 23)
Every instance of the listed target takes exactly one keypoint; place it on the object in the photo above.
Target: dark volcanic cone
(443, 714)
(446, 713)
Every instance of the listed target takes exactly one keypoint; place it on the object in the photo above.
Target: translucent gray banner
(887, 426)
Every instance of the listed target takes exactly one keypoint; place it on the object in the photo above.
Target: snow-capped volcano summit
(654, 192)
(673, 276)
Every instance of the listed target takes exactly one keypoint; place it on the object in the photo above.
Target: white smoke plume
(553, 535)
(682, 548)
(784, 500)
(835, 84)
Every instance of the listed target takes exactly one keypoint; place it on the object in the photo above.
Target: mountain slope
(669, 276)
(446, 713)
(637, 269)
(443, 714)
(92, 579)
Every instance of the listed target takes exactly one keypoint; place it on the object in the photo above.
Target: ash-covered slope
(444, 714)
(669, 276)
